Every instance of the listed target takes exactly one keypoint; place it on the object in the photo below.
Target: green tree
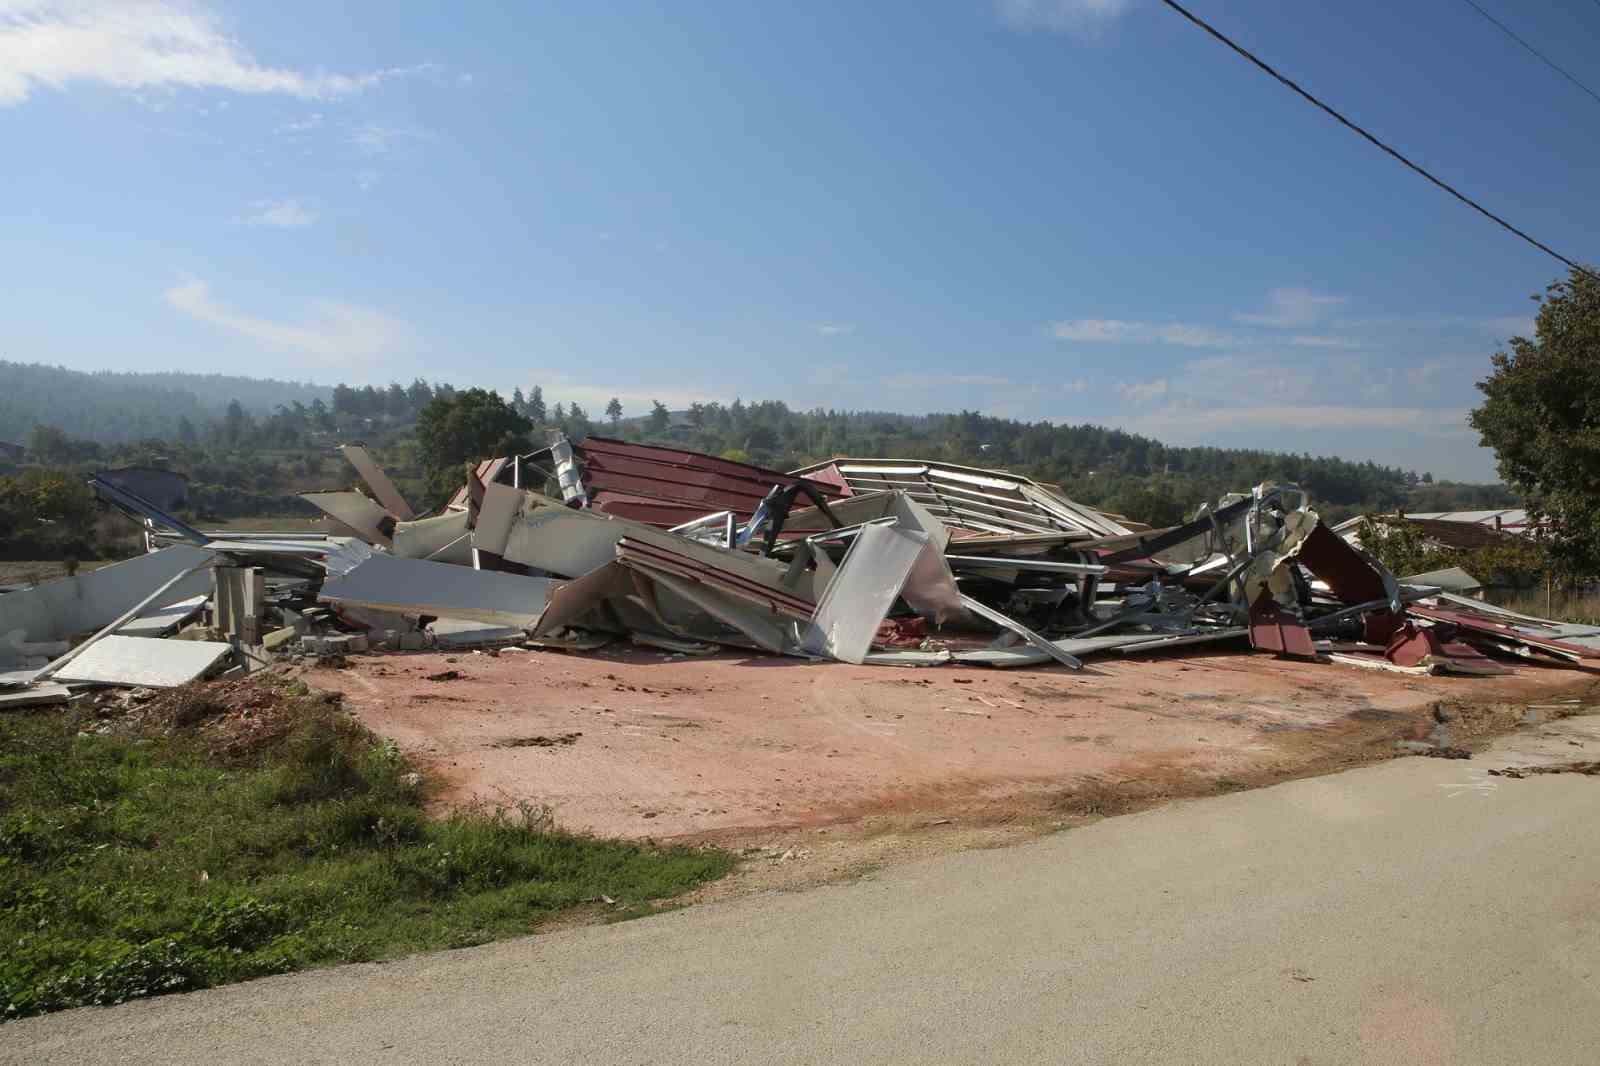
(49, 444)
(660, 417)
(1541, 415)
(577, 422)
(396, 401)
(419, 392)
(467, 427)
(235, 424)
(536, 409)
(614, 412)
(44, 509)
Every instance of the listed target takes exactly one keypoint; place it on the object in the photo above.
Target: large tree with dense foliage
(463, 428)
(1541, 415)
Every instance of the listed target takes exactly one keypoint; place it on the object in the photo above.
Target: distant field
(32, 571)
(270, 525)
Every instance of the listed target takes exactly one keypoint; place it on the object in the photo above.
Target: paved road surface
(1416, 912)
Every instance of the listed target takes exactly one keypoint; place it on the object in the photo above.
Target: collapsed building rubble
(879, 561)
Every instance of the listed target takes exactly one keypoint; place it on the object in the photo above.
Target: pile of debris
(883, 561)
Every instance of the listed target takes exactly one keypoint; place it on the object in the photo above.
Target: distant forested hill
(280, 440)
(114, 407)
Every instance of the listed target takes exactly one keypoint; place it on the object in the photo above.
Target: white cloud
(333, 330)
(934, 381)
(374, 138)
(1112, 331)
(144, 46)
(1293, 307)
(1142, 392)
(1080, 385)
(834, 329)
(1322, 340)
(282, 214)
(1060, 14)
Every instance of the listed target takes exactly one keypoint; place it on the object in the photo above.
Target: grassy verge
(1560, 607)
(241, 829)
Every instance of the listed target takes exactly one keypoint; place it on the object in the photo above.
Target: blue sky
(1075, 210)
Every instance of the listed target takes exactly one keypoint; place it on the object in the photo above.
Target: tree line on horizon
(271, 454)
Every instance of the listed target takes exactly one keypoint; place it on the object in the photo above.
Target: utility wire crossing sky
(1074, 210)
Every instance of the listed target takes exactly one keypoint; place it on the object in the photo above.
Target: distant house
(167, 489)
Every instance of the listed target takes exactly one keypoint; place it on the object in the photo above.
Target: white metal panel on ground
(160, 621)
(1037, 642)
(68, 606)
(865, 586)
(116, 660)
(463, 633)
(34, 696)
(416, 586)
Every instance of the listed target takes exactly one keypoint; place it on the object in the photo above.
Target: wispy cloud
(1425, 421)
(332, 329)
(1506, 326)
(1323, 340)
(375, 138)
(1143, 392)
(834, 329)
(282, 214)
(1293, 307)
(144, 46)
(310, 122)
(1060, 15)
(1113, 330)
(934, 381)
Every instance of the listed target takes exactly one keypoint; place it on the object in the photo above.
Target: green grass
(221, 838)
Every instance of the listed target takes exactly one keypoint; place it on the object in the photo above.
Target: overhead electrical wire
(1337, 117)
(1540, 56)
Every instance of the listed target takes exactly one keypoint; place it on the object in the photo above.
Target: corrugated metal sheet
(668, 486)
(962, 497)
(663, 487)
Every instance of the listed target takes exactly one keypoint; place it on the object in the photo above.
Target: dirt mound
(234, 719)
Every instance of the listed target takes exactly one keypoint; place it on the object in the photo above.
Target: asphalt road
(1415, 912)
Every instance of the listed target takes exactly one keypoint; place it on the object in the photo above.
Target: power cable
(1337, 117)
(1503, 28)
